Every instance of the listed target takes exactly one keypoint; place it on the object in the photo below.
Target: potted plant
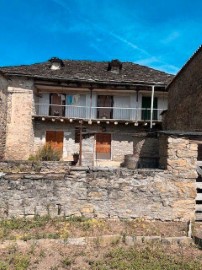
(75, 157)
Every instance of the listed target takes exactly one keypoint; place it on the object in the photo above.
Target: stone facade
(121, 143)
(100, 193)
(3, 110)
(185, 98)
(19, 139)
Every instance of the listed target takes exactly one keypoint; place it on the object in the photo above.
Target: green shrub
(3, 266)
(46, 153)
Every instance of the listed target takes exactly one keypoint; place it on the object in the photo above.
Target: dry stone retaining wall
(101, 193)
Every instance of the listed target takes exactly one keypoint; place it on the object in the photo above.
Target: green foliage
(23, 225)
(46, 153)
(76, 219)
(3, 266)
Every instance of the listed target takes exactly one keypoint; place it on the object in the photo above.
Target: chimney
(115, 66)
(56, 63)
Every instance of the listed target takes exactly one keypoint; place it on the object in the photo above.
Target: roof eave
(141, 83)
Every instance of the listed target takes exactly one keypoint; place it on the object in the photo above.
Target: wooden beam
(80, 144)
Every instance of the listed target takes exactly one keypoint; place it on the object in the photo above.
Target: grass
(143, 259)
(17, 261)
(120, 258)
(45, 227)
(97, 255)
(41, 227)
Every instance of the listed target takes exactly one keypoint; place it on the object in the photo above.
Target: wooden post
(80, 144)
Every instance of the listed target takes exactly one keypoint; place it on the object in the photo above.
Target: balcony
(85, 113)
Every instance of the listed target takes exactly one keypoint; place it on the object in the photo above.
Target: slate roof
(90, 71)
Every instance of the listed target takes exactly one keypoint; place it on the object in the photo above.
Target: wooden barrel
(130, 161)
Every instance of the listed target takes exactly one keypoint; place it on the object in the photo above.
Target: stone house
(181, 139)
(183, 117)
(98, 109)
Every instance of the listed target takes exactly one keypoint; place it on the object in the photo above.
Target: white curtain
(43, 106)
(121, 103)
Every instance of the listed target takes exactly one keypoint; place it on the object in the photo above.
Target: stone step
(198, 207)
(199, 185)
(199, 197)
(198, 216)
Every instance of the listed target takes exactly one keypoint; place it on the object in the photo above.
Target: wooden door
(103, 146)
(105, 101)
(55, 139)
(54, 109)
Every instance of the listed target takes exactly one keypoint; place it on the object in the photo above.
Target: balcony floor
(63, 119)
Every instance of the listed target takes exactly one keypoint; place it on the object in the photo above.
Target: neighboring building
(185, 97)
(54, 101)
(181, 139)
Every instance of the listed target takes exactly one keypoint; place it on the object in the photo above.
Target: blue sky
(160, 34)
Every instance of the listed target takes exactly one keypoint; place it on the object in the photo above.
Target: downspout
(91, 95)
(152, 107)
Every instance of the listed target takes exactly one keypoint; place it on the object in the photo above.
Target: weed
(12, 248)
(66, 262)
(54, 267)
(19, 261)
(46, 153)
(115, 241)
(32, 249)
(3, 266)
(53, 235)
(42, 253)
(75, 219)
(153, 259)
(26, 237)
(97, 242)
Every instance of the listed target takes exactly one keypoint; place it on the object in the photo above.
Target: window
(146, 108)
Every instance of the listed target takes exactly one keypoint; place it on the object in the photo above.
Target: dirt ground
(42, 243)
(57, 256)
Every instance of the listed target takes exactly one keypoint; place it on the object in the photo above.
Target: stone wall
(3, 110)
(22, 166)
(100, 193)
(178, 155)
(185, 98)
(19, 139)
